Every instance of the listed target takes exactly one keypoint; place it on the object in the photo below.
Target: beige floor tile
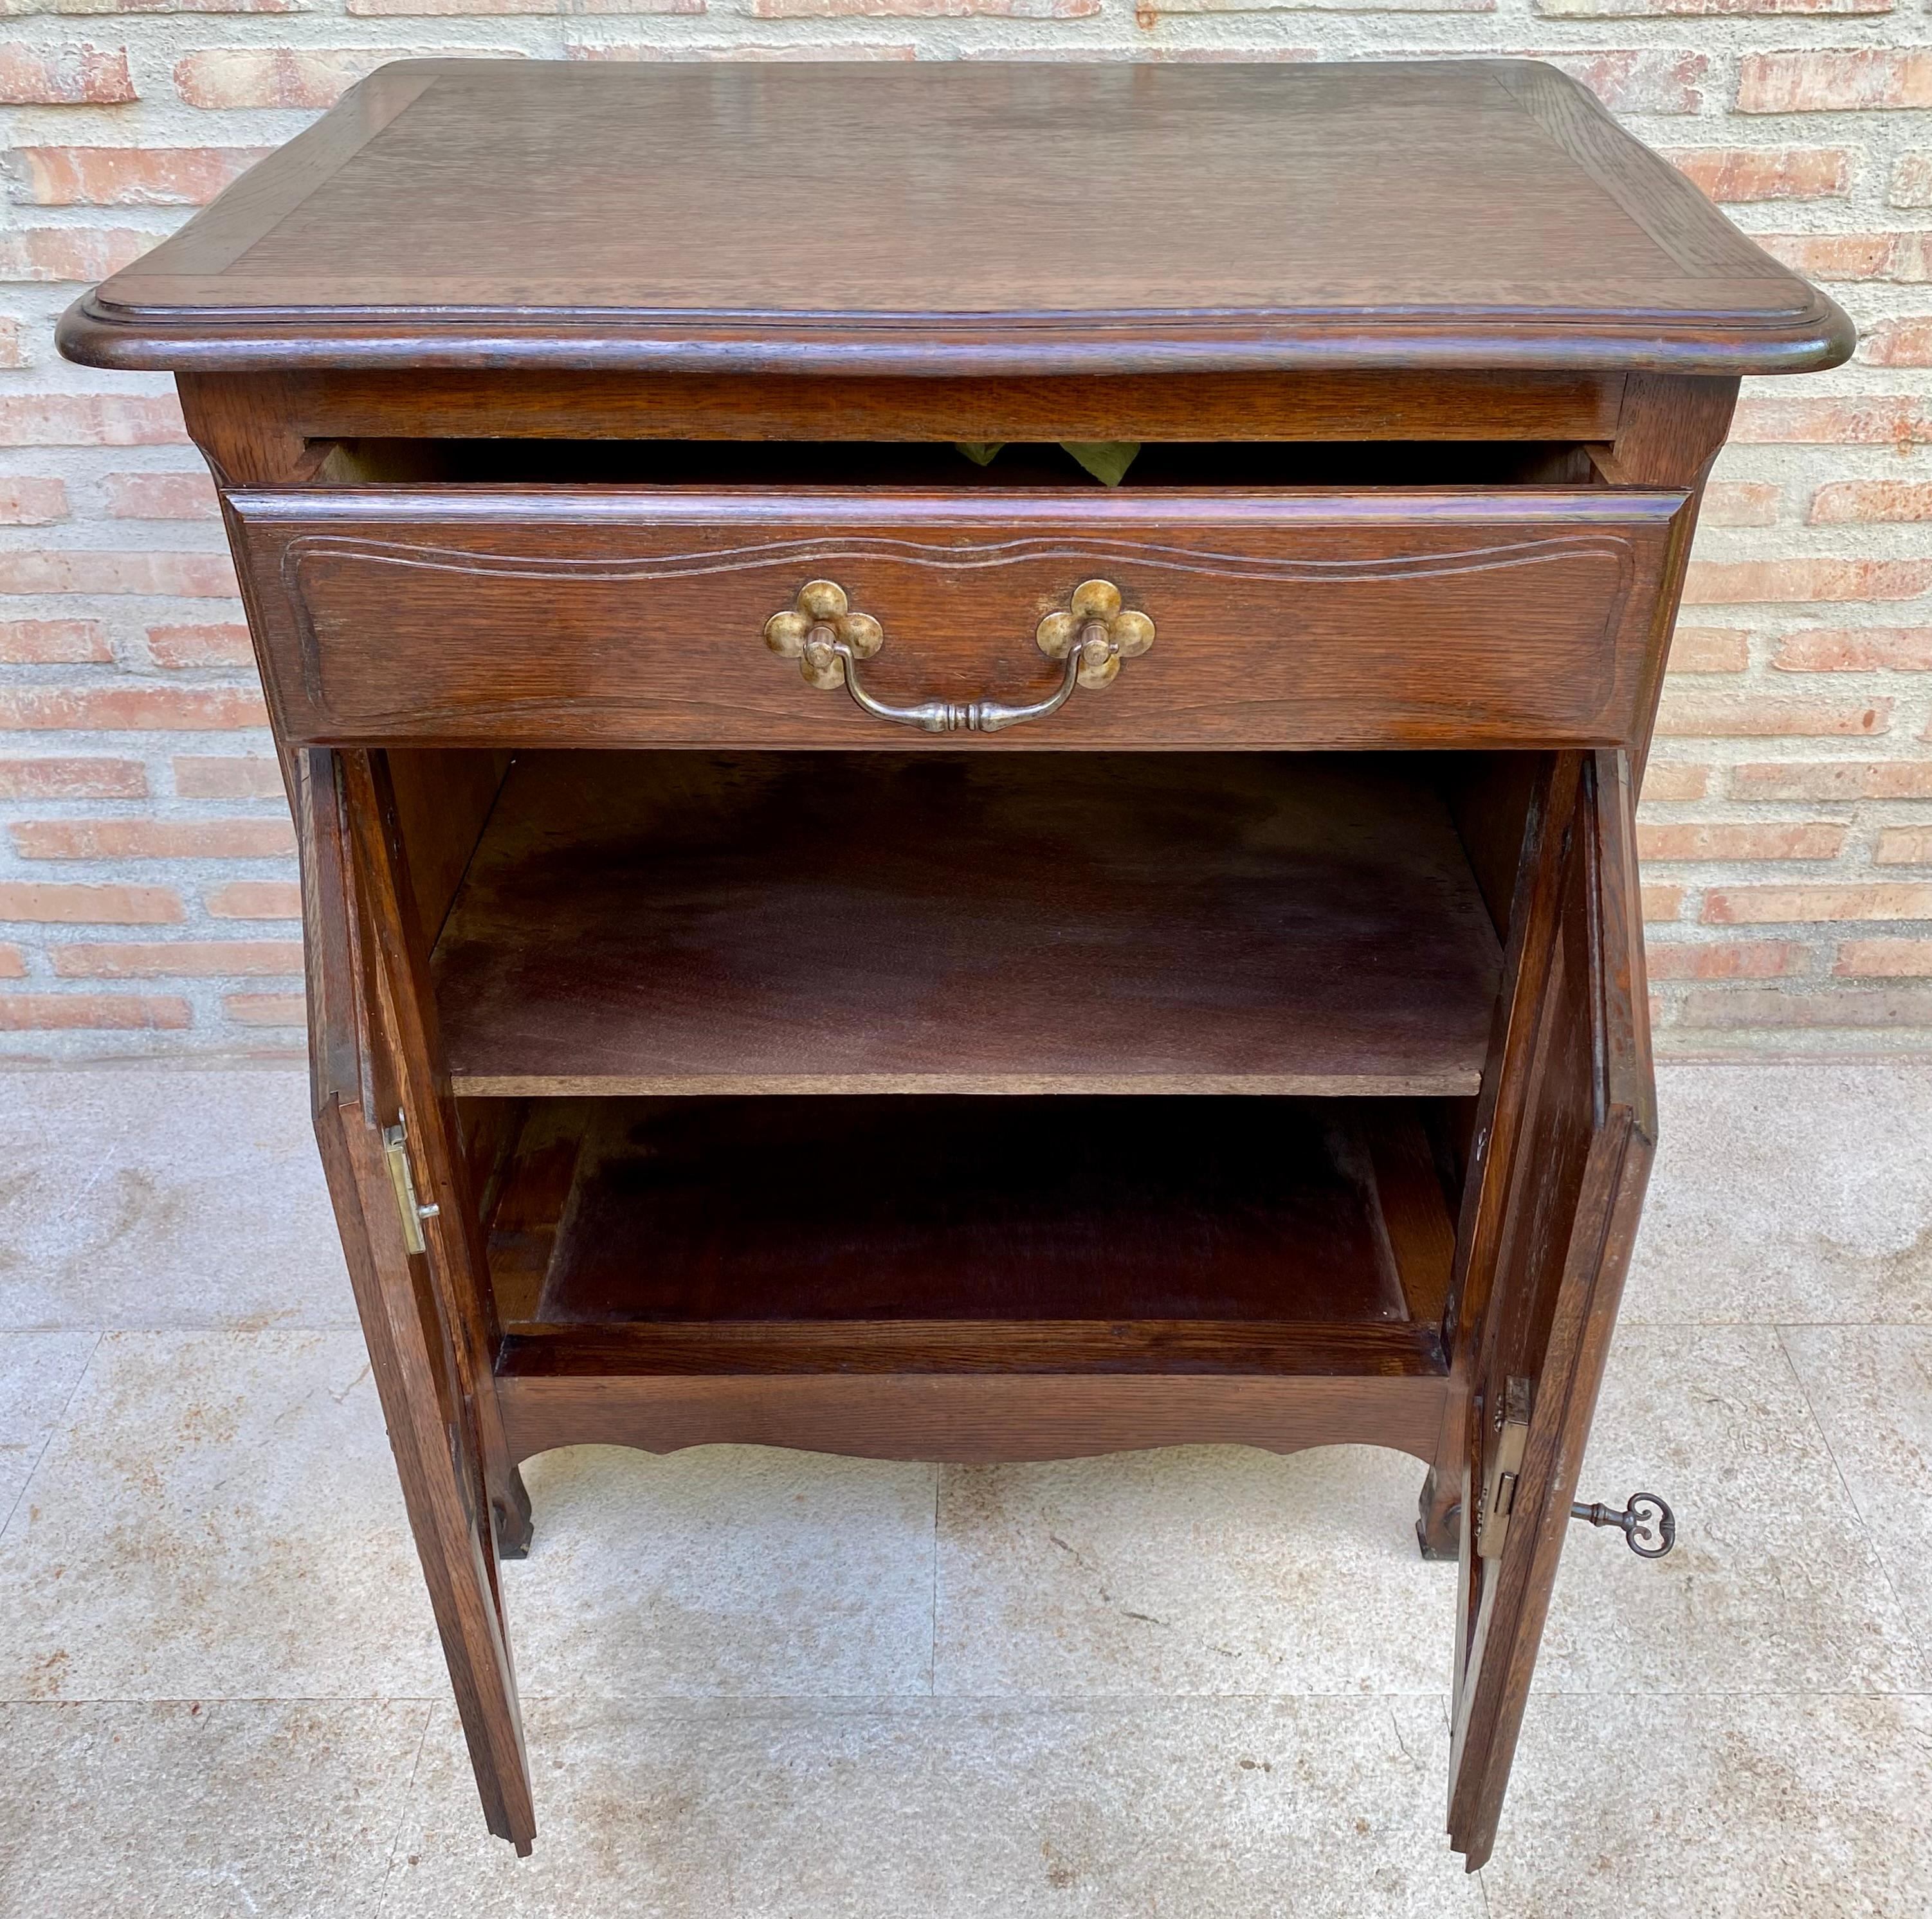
(38, 1372)
(1795, 1192)
(951, 1810)
(242, 1809)
(1871, 1388)
(726, 1569)
(216, 1516)
(1771, 1808)
(1774, 1586)
(132, 1198)
(1195, 1570)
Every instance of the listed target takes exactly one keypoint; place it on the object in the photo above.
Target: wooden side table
(816, 941)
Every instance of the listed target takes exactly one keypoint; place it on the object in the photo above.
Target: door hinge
(395, 1149)
(1497, 1500)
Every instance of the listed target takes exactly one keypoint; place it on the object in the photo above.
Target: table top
(965, 217)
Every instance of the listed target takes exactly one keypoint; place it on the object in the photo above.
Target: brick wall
(146, 894)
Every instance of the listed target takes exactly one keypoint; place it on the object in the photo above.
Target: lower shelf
(1238, 1236)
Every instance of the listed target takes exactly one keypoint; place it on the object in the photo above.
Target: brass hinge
(1497, 1501)
(396, 1150)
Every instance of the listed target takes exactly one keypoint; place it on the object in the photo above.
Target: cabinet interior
(812, 1061)
(923, 465)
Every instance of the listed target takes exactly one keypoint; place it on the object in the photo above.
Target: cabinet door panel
(415, 1292)
(1572, 1189)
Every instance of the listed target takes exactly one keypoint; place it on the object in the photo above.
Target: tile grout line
(53, 1427)
(404, 1811)
(1851, 1496)
(932, 1641)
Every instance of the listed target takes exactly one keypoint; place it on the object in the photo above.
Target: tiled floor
(1187, 1684)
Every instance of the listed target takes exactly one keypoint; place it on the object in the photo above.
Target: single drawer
(866, 617)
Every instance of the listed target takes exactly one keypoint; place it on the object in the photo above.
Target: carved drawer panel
(864, 617)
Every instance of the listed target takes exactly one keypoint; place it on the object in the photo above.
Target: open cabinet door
(385, 1146)
(1552, 1242)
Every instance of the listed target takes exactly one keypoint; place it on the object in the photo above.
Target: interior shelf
(695, 924)
(1195, 1235)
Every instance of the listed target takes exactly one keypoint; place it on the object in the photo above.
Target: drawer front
(565, 615)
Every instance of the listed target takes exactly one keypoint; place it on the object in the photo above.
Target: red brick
(154, 839)
(1903, 846)
(1709, 649)
(184, 959)
(132, 708)
(1629, 9)
(229, 776)
(382, 9)
(51, 778)
(1835, 779)
(13, 963)
(1739, 840)
(54, 642)
(193, 576)
(80, 253)
(13, 347)
(1740, 503)
(1709, 717)
(130, 175)
(312, 77)
(1826, 83)
(1734, 174)
(1672, 779)
(40, 1012)
(1034, 10)
(82, 75)
(1661, 904)
(1872, 500)
(1902, 257)
(1856, 649)
(32, 502)
(90, 419)
(1911, 179)
(1885, 959)
(1755, 959)
(199, 646)
(1898, 342)
(160, 497)
(46, 903)
(255, 899)
(1728, 583)
(1893, 420)
(266, 1009)
(1774, 1007)
(814, 51)
(1772, 906)
(1661, 80)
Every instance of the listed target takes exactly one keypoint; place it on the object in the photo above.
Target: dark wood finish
(486, 214)
(554, 616)
(747, 1214)
(1553, 1268)
(433, 1403)
(329, 405)
(948, 1417)
(532, 390)
(798, 923)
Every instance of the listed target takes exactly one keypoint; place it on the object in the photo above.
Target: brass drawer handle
(1093, 635)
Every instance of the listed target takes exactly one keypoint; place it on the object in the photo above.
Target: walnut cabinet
(819, 937)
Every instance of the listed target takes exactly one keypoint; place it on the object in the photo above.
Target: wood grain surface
(969, 218)
(691, 923)
(1287, 616)
(729, 1215)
